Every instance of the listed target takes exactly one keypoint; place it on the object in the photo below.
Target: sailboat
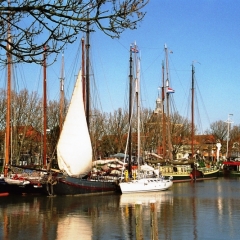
(142, 181)
(188, 172)
(16, 180)
(74, 152)
(74, 148)
(3, 184)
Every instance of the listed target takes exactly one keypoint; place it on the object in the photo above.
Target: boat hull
(4, 188)
(30, 189)
(24, 180)
(75, 186)
(145, 185)
(194, 175)
(231, 169)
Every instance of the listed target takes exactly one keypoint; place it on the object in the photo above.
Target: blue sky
(205, 31)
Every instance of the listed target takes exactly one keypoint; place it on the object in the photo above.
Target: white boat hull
(145, 185)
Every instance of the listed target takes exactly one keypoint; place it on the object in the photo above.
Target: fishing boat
(144, 178)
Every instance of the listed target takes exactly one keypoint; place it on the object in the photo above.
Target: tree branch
(34, 24)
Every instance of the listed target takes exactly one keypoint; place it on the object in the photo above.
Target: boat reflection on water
(163, 210)
(71, 227)
(64, 217)
(145, 198)
(196, 210)
(68, 217)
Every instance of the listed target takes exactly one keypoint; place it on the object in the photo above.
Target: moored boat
(19, 183)
(231, 168)
(12, 182)
(74, 153)
(185, 173)
(143, 178)
(189, 169)
(145, 185)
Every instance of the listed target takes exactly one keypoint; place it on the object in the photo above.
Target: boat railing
(206, 169)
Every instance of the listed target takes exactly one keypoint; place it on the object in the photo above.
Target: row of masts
(86, 94)
(167, 149)
(8, 112)
(166, 129)
(86, 98)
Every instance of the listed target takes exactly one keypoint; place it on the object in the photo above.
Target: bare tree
(234, 143)
(117, 128)
(235, 133)
(97, 130)
(218, 129)
(180, 132)
(2, 108)
(26, 114)
(26, 109)
(36, 24)
(53, 131)
(151, 130)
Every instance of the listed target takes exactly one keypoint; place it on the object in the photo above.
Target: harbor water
(193, 210)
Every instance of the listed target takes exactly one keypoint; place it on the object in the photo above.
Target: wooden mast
(130, 114)
(61, 96)
(44, 109)
(137, 89)
(168, 110)
(192, 107)
(163, 115)
(8, 110)
(83, 73)
(87, 76)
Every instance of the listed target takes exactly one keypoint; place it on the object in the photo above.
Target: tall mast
(61, 96)
(87, 75)
(138, 104)
(192, 110)
(130, 114)
(168, 109)
(163, 114)
(83, 73)
(44, 109)
(8, 113)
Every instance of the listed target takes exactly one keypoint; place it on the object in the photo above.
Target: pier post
(138, 215)
(153, 219)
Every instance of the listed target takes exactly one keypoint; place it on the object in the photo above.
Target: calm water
(202, 210)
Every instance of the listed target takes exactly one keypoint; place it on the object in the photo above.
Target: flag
(170, 90)
(134, 50)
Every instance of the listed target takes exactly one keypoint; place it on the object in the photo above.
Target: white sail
(74, 149)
